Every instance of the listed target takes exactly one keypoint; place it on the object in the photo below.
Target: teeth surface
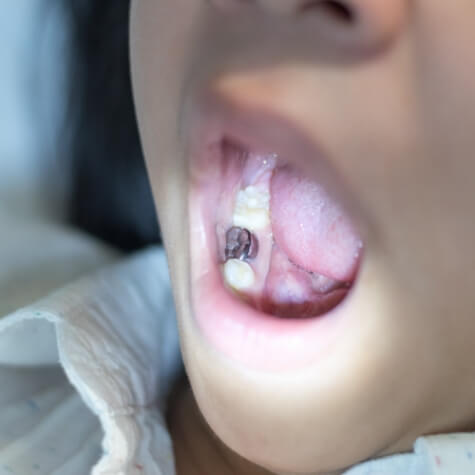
(251, 210)
(238, 274)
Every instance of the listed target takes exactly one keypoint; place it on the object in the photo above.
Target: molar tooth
(251, 210)
(238, 274)
(240, 244)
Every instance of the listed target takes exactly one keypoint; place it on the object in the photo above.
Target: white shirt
(84, 371)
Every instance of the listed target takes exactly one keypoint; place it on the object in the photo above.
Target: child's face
(375, 103)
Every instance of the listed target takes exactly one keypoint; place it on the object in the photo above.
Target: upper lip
(214, 119)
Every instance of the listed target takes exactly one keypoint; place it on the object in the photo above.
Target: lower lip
(256, 340)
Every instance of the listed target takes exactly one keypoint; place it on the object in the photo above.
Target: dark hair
(110, 192)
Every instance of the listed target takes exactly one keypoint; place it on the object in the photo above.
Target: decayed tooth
(251, 210)
(240, 244)
(238, 274)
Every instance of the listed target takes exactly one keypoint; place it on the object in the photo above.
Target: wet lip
(244, 335)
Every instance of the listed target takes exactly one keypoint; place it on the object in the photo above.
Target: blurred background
(73, 192)
(69, 147)
(33, 49)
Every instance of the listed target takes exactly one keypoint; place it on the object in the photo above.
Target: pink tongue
(312, 229)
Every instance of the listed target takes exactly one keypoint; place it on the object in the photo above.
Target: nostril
(332, 9)
(356, 28)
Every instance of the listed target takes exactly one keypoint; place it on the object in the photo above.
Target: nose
(352, 25)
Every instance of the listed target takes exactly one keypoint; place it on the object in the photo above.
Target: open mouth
(273, 255)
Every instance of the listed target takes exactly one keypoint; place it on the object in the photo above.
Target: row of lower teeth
(251, 214)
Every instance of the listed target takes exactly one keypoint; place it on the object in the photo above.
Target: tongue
(311, 228)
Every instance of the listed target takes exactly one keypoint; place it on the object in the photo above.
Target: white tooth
(252, 209)
(238, 274)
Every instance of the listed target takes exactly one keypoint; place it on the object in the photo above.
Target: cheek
(446, 93)
(161, 40)
(446, 103)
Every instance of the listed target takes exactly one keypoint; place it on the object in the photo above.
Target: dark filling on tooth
(240, 244)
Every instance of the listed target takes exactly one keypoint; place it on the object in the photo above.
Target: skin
(391, 93)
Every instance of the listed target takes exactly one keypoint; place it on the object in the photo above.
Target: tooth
(251, 210)
(240, 244)
(238, 274)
